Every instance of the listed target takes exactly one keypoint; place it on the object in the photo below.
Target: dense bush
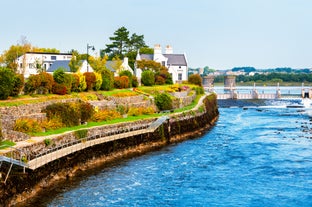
(32, 84)
(7, 79)
(90, 80)
(59, 75)
(166, 76)
(64, 79)
(121, 82)
(82, 82)
(98, 81)
(18, 85)
(27, 125)
(163, 101)
(65, 112)
(117, 82)
(59, 89)
(81, 134)
(137, 111)
(41, 83)
(148, 78)
(195, 79)
(105, 115)
(52, 124)
(108, 80)
(71, 114)
(135, 82)
(125, 82)
(86, 111)
(75, 82)
(128, 74)
(199, 90)
(159, 80)
(46, 82)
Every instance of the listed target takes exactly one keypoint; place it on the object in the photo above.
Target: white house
(124, 66)
(30, 62)
(85, 67)
(176, 63)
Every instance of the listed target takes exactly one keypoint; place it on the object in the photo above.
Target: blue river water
(259, 156)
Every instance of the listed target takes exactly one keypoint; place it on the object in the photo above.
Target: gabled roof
(109, 66)
(59, 64)
(175, 59)
(147, 56)
(49, 53)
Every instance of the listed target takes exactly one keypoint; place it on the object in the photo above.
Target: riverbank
(179, 127)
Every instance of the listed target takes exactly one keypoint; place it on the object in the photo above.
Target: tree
(75, 62)
(108, 80)
(150, 65)
(98, 63)
(7, 79)
(148, 78)
(120, 42)
(195, 79)
(9, 56)
(163, 101)
(136, 42)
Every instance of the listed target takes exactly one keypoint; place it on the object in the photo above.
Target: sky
(221, 34)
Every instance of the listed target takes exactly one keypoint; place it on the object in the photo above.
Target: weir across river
(264, 92)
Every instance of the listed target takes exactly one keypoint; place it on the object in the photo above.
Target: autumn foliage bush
(195, 79)
(90, 80)
(70, 114)
(137, 111)
(59, 89)
(121, 82)
(105, 115)
(27, 125)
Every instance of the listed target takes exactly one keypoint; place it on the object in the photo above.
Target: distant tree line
(276, 77)
(248, 69)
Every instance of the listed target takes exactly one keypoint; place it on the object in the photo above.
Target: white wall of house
(85, 67)
(27, 62)
(179, 73)
(125, 65)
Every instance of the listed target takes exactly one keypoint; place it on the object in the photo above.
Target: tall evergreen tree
(123, 44)
(119, 44)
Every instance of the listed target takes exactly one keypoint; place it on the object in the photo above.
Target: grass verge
(6, 143)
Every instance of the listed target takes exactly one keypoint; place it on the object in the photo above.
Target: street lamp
(89, 47)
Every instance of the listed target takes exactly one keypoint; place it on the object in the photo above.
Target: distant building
(31, 62)
(176, 63)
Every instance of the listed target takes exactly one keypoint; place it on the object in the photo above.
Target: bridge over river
(263, 92)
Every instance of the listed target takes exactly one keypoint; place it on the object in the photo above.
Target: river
(253, 156)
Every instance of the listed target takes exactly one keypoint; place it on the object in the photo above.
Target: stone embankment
(178, 127)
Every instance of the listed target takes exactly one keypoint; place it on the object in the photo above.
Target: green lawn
(6, 143)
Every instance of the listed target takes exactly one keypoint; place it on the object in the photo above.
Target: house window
(180, 76)
(163, 63)
(53, 57)
(30, 65)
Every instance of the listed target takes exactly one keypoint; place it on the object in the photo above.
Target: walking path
(61, 151)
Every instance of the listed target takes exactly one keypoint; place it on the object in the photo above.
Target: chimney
(125, 60)
(169, 49)
(157, 49)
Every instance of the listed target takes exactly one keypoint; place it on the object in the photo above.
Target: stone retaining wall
(179, 124)
(9, 115)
